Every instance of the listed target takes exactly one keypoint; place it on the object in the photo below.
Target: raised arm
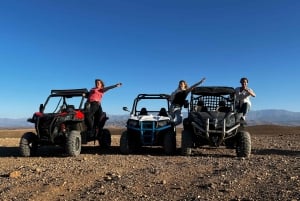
(196, 84)
(112, 86)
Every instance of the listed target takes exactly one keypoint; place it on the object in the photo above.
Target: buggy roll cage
(66, 93)
(212, 95)
(148, 96)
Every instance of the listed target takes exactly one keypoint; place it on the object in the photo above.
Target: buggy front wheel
(73, 143)
(186, 143)
(28, 144)
(124, 144)
(243, 145)
(105, 139)
(170, 143)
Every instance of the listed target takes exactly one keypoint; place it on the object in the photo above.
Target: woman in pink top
(94, 100)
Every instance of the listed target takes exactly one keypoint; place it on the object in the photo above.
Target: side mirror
(126, 109)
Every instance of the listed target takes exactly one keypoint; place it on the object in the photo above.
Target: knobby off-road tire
(105, 139)
(243, 145)
(124, 143)
(28, 144)
(73, 143)
(186, 143)
(169, 143)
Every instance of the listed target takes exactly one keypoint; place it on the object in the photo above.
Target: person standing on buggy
(243, 94)
(94, 109)
(178, 98)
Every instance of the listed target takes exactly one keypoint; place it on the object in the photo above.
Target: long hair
(96, 80)
(184, 82)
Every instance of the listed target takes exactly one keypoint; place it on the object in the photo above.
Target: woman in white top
(243, 95)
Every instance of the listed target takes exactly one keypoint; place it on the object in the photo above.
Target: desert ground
(272, 172)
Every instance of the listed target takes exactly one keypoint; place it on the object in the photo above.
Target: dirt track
(271, 173)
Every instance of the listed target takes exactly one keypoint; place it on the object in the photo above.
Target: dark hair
(185, 83)
(244, 79)
(96, 80)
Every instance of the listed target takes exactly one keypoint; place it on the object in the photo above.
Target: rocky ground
(271, 173)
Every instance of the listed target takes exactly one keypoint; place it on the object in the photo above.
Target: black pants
(93, 115)
(244, 108)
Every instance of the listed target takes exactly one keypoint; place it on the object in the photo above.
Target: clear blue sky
(148, 45)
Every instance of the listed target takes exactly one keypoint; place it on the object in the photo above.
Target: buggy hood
(149, 118)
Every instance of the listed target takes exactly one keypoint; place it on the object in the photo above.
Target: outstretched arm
(112, 86)
(196, 84)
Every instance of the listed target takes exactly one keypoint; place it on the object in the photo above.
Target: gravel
(271, 173)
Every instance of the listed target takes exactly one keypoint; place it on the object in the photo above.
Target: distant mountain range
(259, 117)
(278, 117)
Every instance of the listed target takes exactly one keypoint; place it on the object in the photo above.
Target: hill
(259, 117)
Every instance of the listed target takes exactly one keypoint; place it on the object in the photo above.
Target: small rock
(15, 174)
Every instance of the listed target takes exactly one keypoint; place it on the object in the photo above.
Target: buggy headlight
(162, 123)
(132, 123)
(230, 120)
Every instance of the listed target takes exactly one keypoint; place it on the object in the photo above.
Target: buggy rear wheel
(186, 143)
(28, 144)
(243, 145)
(73, 144)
